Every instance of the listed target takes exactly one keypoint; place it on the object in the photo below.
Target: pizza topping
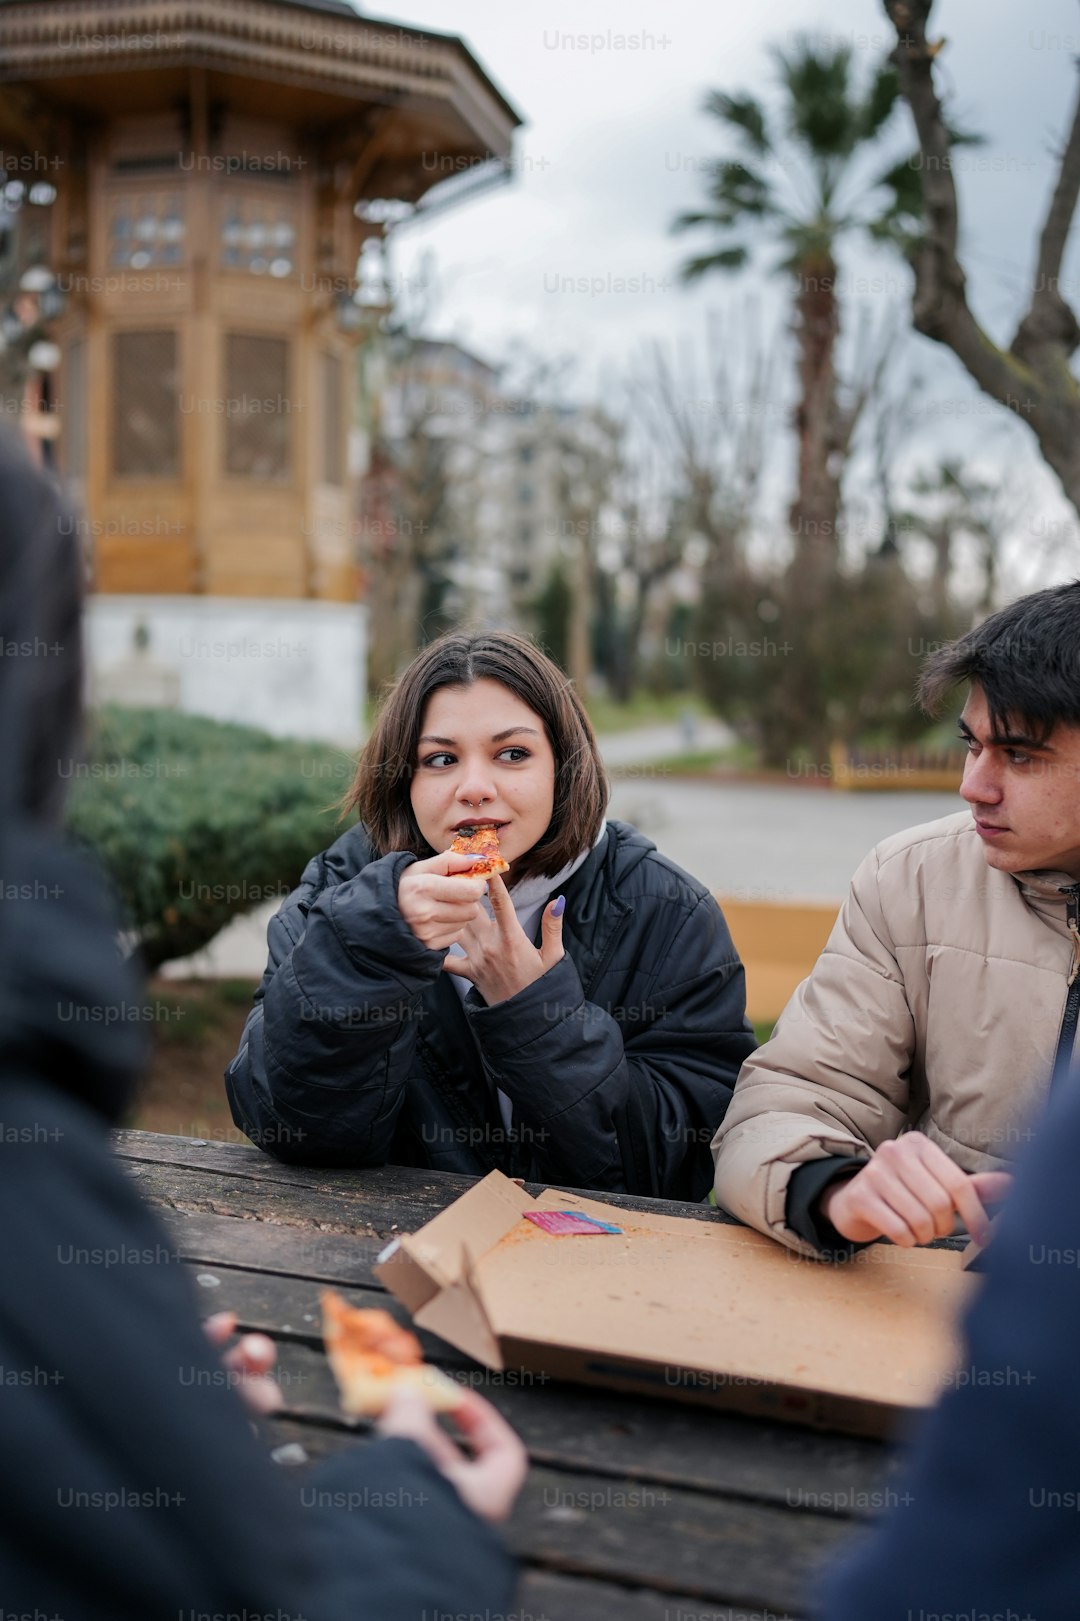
(482, 842)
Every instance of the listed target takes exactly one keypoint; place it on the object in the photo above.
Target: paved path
(771, 843)
(646, 744)
(748, 841)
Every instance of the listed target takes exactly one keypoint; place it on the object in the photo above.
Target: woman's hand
(490, 1480)
(500, 959)
(437, 898)
(250, 1360)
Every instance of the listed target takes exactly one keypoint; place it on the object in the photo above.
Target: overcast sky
(575, 255)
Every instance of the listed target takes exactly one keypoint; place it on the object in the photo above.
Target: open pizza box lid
(695, 1310)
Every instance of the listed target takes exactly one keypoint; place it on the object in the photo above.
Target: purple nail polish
(560, 906)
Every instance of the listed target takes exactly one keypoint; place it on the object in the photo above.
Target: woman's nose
(475, 785)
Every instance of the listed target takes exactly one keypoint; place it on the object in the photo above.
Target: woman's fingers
(255, 1354)
(219, 1327)
(489, 1481)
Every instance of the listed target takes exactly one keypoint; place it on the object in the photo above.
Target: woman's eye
(515, 754)
(439, 759)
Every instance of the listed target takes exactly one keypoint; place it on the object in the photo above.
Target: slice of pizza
(371, 1356)
(481, 841)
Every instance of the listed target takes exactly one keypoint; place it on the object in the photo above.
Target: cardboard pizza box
(693, 1310)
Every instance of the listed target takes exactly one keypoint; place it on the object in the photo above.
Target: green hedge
(197, 821)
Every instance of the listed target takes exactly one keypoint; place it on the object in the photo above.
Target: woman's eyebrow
(450, 742)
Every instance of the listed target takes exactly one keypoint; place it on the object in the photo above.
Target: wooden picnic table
(634, 1510)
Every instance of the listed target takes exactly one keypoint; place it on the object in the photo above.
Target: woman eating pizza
(577, 1019)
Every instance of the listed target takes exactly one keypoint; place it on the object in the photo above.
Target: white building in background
(294, 669)
(511, 501)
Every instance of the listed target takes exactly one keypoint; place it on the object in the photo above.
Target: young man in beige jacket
(906, 1072)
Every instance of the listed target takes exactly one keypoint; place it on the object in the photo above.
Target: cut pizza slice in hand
(371, 1356)
(483, 842)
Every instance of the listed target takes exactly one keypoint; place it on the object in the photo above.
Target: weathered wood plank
(552, 1594)
(698, 1544)
(228, 1157)
(263, 1246)
(385, 1187)
(568, 1598)
(278, 1203)
(659, 1442)
(713, 1548)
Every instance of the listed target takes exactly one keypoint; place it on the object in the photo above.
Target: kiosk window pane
(146, 416)
(258, 411)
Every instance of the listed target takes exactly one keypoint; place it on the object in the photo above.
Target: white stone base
(293, 668)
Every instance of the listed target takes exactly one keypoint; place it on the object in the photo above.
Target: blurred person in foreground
(989, 1531)
(133, 1487)
(906, 1071)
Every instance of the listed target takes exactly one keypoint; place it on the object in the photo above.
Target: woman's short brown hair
(380, 790)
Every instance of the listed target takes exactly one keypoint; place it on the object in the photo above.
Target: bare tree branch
(1032, 379)
(1049, 318)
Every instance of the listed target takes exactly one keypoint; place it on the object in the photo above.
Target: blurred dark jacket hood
(70, 1008)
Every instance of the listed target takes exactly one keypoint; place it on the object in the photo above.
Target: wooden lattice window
(259, 234)
(258, 410)
(145, 406)
(147, 230)
(333, 460)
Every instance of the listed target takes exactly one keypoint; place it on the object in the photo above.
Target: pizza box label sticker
(569, 1223)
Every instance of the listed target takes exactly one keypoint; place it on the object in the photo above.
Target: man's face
(1024, 796)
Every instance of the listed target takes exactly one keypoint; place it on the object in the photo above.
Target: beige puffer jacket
(937, 1004)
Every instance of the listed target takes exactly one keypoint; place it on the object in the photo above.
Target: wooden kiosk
(220, 166)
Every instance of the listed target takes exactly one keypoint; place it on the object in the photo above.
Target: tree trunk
(815, 509)
(578, 655)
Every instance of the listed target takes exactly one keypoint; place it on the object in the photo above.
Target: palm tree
(800, 184)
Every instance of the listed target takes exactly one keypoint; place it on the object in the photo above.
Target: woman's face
(483, 757)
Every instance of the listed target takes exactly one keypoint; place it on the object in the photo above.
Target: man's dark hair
(380, 792)
(1025, 660)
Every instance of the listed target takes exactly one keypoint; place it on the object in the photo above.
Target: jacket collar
(1046, 886)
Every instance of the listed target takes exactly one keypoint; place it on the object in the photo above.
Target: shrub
(197, 821)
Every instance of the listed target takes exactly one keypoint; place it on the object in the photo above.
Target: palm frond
(879, 102)
(744, 114)
(737, 191)
(821, 112)
(725, 259)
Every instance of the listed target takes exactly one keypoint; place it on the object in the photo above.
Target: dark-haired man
(905, 1072)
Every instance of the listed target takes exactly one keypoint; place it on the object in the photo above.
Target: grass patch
(643, 709)
(734, 756)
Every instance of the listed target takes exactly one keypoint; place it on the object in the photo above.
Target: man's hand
(249, 1362)
(490, 1480)
(437, 898)
(500, 959)
(911, 1192)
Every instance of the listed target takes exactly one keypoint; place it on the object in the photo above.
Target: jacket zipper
(1067, 1034)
